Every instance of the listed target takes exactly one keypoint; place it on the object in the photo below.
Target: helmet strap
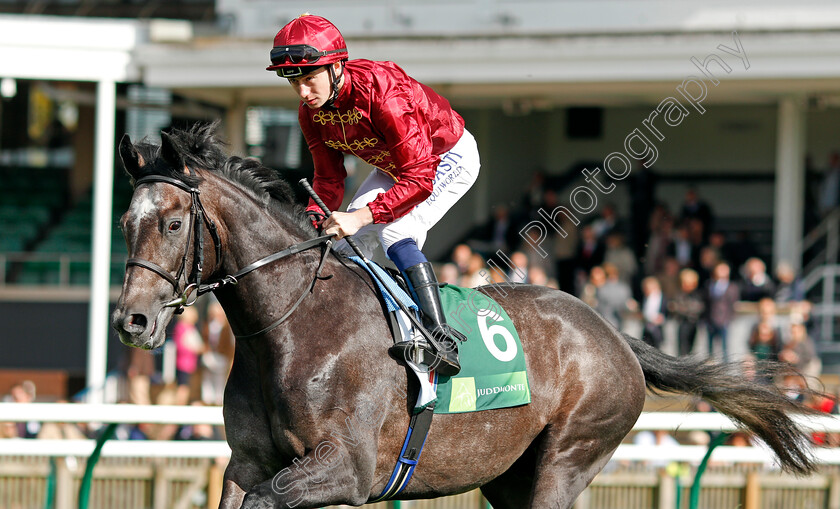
(336, 80)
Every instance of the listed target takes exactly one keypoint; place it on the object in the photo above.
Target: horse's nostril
(138, 320)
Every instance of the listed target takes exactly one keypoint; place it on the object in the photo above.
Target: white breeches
(456, 173)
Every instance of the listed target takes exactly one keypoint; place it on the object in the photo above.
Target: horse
(316, 411)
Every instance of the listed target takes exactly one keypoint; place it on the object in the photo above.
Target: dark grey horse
(315, 409)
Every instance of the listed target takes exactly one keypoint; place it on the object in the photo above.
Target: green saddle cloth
(493, 373)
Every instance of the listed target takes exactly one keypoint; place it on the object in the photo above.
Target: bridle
(198, 218)
(194, 289)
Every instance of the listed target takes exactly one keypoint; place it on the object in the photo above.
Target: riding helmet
(305, 43)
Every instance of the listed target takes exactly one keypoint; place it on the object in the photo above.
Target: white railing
(725, 453)
(164, 414)
(115, 448)
(121, 414)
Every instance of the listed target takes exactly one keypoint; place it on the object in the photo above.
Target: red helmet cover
(315, 31)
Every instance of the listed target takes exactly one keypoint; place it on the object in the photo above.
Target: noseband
(199, 218)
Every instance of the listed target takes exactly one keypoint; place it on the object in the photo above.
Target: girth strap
(415, 439)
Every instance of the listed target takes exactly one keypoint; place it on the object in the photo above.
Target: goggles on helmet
(299, 54)
(297, 72)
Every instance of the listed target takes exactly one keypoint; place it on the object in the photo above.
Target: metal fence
(191, 483)
(142, 483)
(125, 483)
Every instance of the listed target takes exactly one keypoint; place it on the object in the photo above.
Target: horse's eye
(174, 226)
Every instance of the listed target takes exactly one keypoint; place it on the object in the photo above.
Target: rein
(297, 248)
(199, 218)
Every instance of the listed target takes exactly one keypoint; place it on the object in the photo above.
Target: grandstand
(46, 237)
(30, 199)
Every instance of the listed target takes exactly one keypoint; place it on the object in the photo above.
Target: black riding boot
(426, 291)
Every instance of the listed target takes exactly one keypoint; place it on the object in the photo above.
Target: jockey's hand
(342, 224)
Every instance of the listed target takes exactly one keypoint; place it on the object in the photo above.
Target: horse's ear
(132, 160)
(169, 152)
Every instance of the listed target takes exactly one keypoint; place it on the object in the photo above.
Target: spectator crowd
(203, 345)
(675, 276)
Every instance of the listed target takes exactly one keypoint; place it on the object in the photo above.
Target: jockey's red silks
(388, 120)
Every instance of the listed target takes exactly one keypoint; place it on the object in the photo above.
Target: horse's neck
(251, 233)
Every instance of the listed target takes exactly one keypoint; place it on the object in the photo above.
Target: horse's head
(165, 229)
(173, 242)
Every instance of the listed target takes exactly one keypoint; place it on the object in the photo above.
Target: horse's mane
(199, 147)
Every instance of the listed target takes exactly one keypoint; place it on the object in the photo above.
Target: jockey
(424, 158)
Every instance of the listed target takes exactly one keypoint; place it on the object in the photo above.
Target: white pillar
(790, 181)
(481, 132)
(103, 189)
(235, 126)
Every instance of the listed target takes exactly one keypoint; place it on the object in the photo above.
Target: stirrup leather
(442, 353)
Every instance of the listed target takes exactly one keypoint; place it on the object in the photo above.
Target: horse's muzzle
(136, 328)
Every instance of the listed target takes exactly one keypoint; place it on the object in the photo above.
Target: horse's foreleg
(232, 496)
(240, 476)
(325, 476)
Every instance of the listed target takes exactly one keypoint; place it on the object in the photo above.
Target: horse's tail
(761, 409)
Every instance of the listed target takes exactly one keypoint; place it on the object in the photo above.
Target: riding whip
(352, 243)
